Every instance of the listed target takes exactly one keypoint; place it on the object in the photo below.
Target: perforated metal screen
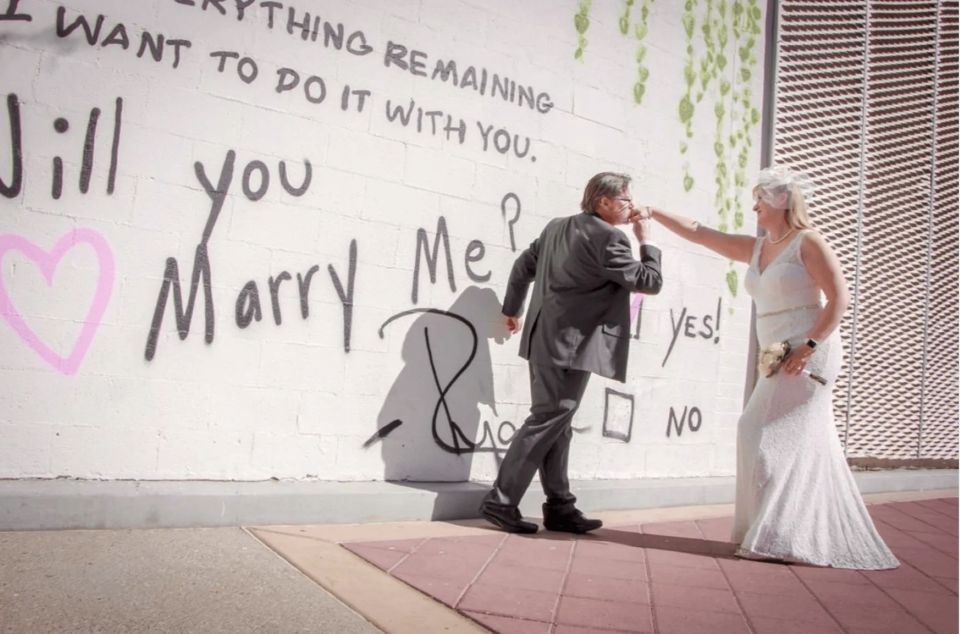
(866, 102)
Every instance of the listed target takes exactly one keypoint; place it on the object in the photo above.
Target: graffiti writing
(13, 15)
(88, 151)
(12, 189)
(248, 308)
(156, 45)
(617, 415)
(508, 197)
(430, 120)
(474, 252)
(451, 438)
(691, 416)
(48, 262)
(709, 327)
(248, 302)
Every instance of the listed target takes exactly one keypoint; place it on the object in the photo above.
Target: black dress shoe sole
(526, 528)
(571, 528)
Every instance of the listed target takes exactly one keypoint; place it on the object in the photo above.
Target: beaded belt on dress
(788, 310)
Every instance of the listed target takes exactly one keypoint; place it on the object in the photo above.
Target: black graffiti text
(255, 183)
(455, 441)
(691, 417)
(504, 142)
(249, 307)
(11, 14)
(86, 153)
(431, 122)
(694, 327)
(299, 24)
(201, 266)
(154, 45)
(474, 252)
(416, 62)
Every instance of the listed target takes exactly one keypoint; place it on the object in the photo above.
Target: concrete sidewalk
(361, 578)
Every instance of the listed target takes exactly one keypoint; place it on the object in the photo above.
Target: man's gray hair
(609, 184)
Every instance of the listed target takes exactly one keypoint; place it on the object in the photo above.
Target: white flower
(772, 357)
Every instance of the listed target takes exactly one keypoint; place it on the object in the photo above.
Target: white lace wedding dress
(796, 498)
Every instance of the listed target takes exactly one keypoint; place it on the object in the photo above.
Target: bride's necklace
(780, 239)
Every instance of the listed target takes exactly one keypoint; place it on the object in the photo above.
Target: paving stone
(692, 577)
(937, 611)
(379, 557)
(609, 588)
(447, 591)
(636, 570)
(705, 599)
(525, 604)
(672, 620)
(509, 625)
(510, 576)
(626, 616)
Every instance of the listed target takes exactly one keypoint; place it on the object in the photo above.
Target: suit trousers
(543, 441)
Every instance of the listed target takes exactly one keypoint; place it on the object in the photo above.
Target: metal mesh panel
(866, 101)
(819, 109)
(940, 406)
(891, 295)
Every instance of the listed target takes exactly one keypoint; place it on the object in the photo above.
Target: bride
(796, 498)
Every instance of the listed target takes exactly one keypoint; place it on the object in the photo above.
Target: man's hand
(642, 227)
(514, 324)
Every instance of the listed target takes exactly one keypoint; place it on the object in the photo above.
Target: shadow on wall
(430, 424)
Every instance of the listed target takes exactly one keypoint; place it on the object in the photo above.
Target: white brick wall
(288, 401)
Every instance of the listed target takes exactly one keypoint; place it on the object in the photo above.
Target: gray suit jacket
(583, 271)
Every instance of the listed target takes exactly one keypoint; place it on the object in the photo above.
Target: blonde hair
(786, 189)
(797, 216)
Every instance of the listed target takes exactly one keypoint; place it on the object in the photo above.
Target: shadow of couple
(653, 541)
(429, 426)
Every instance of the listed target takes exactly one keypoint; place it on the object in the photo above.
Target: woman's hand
(796, 361)
(513, 324)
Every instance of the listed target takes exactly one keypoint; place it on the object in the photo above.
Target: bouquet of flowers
(773, 356)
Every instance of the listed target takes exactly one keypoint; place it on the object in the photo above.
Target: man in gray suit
(584, 270)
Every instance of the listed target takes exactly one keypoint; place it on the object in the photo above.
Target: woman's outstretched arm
(733, 246)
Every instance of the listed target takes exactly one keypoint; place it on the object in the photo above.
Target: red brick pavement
(681, 577)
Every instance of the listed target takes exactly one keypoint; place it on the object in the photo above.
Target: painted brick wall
(273, 169)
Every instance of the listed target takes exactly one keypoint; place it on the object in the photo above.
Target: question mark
(510, 223)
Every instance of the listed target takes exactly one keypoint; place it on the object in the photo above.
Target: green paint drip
(625, 18)
(640, 32)
(732, 281)
(686, 107)
(581, 22)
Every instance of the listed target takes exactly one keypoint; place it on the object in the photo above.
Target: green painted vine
(625, 18)
(640, 33)
(581, 22)
(744, 116)
(728, 27)
(686, 108)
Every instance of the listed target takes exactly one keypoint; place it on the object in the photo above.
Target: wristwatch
(812, 344)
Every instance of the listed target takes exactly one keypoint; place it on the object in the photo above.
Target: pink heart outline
(47, 263)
